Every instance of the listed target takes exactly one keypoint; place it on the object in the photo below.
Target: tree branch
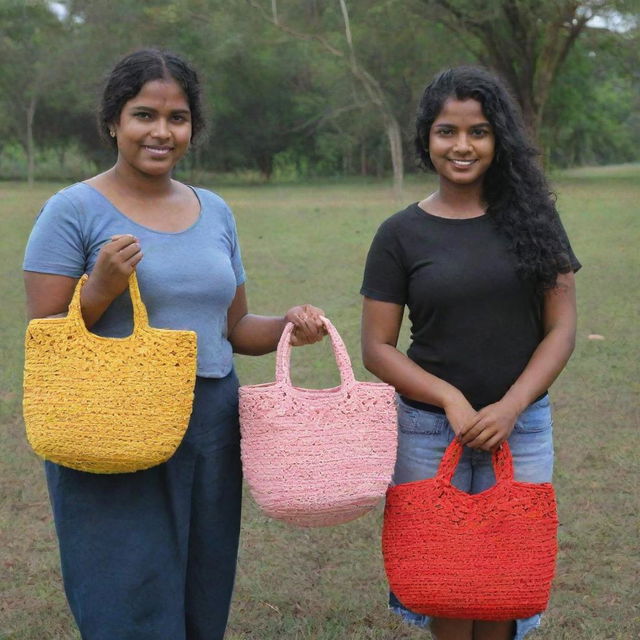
(369, 83)
(576, 29)
(307, 37)
(347, 31)
(314, 123)
(371, 86)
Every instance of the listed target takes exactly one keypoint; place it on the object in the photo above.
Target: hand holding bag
(107, 405)
(317, 457)
(488, 556)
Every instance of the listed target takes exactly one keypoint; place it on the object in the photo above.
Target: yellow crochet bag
(107, 405)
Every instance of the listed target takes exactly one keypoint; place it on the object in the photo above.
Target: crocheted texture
(317, 457)
(107, 405)
(489, 556)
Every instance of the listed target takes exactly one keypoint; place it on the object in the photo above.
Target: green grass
(308, 243)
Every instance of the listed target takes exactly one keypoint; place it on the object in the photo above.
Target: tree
(525, 41)
(322, 86)
(592, 115)
(31, 37)
(257, 115)
(345, 50)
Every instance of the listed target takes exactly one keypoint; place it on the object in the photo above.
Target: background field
(308, 243)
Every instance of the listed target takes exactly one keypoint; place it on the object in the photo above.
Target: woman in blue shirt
(151, 555)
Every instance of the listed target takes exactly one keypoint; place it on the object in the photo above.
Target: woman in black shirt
(487, 273)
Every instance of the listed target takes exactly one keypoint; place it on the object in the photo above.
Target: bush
(66, 164)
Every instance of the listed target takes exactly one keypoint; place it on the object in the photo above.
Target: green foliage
(592, 115)
(68, 163)
(260, 115)
(32, 51)
(283, 105)
(29, 33)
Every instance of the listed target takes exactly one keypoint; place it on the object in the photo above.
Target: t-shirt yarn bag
(107, 405)
(488, 556)
(317, 457)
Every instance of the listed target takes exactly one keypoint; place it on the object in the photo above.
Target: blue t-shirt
(187, 279)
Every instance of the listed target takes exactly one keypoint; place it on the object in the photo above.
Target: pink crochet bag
(317, 457)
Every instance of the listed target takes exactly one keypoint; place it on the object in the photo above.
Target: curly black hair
(132, 72)
(515, 190)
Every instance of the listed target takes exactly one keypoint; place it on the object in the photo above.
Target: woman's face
(461, 142)
(154, 128)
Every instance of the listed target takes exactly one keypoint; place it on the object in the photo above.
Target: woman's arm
(256, 335)
(494, 423)
(49, 295)
(381, 323)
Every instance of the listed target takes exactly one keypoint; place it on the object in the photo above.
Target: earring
(112, 133)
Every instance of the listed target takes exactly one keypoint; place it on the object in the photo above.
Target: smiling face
(154, 129)
(461, 143)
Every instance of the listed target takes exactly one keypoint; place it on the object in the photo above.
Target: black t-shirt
(474, 322)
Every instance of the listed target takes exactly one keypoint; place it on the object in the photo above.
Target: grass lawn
(308, 243)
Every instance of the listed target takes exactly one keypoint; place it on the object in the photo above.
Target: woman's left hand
(308, 324)
(491, 426)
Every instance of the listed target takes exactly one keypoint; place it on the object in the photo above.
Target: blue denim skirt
(423, 437)
(151, 555)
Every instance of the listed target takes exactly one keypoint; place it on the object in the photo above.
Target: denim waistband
(416, 404)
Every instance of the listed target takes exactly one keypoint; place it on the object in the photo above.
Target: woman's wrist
(515, 401)
(93, 294)
(452, 397)
(94, 301)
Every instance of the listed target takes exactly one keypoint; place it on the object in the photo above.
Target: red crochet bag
(488, 556)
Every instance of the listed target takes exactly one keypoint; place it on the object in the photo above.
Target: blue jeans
(423, 437)
(152, 555)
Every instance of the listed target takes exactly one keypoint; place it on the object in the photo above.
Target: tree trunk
(31, 163)
(347, 163)
(265, 165)
(61, 152)
(531, 116)
(364, 164)
(369, 84)
(394, 135)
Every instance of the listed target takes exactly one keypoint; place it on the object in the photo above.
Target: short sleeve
(567, 261)
(576, 265)
(385, 277)
(55, 244)
(236, 255)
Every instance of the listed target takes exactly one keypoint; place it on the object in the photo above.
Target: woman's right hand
(459, 413)
(48, 295)
(116, 261)
(110, 276)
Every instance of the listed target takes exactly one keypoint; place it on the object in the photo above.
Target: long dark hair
(132, 72)
(515, 190)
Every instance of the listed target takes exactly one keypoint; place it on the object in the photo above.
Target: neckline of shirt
(431, 216)
(142, 226)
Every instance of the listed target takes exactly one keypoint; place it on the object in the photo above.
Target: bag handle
(283, 356)
(501, 457)
(140, 317)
